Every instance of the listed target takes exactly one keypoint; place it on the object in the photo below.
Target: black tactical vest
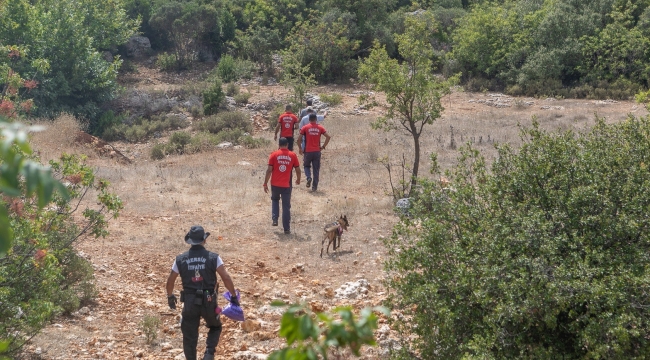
(198, 268)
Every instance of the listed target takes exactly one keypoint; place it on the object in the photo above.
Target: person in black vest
(198, 270)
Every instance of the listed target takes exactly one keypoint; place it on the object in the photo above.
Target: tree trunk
(416, 160)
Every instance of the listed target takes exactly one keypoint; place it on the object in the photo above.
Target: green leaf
(6, 232)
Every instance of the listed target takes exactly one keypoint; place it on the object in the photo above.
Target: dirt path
(222, 190)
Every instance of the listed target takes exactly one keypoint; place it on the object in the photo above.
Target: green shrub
(335, 62)
(252, 142)
(158, 152)
(143, 129)
(224, 121)
(242, 98)
(202, 141)
(232, 89)
(540, 257)
(166, 62)
(245, 69)
(229, 135)
(149, 327)
(67, 300)
(213, 98)
(226, 69)
(331, 99)
(274, 115)
(316, 333)
(52, 278)
(178, 141)
(108, 120)
(136, 133)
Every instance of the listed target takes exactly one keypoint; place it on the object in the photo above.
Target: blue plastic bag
(231, 311)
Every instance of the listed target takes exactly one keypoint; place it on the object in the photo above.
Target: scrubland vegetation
(541, 255)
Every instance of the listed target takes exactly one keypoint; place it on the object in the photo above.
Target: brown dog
(333, 232)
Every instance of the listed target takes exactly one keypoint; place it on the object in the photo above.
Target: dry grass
(57, 137)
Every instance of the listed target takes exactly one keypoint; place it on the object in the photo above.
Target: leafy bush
(232, 89)
(187, 26)
(230, 69)
(257, 45)
(108, 120)
(324, 47)
(544, 256)
(213, 98)
(242, 98)
(149, 327)
(252, 142)
(205, 141)
(136, 133)
(226, 69)
(65, 39)
(166, 62)
(274, 115)
(332, 99)
(143, 129)
(53, 278)
(229, 135)
(314, 335)
(225, 121)
(179, 140)
(158, 152)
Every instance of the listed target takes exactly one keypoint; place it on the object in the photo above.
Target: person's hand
(322, 147)
(300, 151)
(233, 300)
(275, 138)
(297, 181)
(266, 188)
(171, 300)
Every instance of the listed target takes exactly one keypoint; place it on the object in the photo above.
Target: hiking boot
(308, 182)
(275, 222)
(313, 189)
(208, 357)
(287, 232)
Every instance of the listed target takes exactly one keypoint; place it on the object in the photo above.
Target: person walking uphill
(312, 153)
(287, 122)
(281, 164)
(198, 269)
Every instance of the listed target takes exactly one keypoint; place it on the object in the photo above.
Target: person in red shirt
(281, 164)
(312, 133)
(287, 122)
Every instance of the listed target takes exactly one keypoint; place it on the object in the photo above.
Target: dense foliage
(545, 256)
(564, 48)
(60, 44)
(313, 336)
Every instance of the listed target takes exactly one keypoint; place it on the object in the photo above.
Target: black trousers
(192, 315)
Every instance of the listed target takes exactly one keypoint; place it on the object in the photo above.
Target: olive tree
(545, 256)
(412, 90)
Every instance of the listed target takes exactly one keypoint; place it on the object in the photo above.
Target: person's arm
(299, 141)
(227, 280)
(170, 282)
(327, 140)
(269, 171)
(277, 129)
(298, 174)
